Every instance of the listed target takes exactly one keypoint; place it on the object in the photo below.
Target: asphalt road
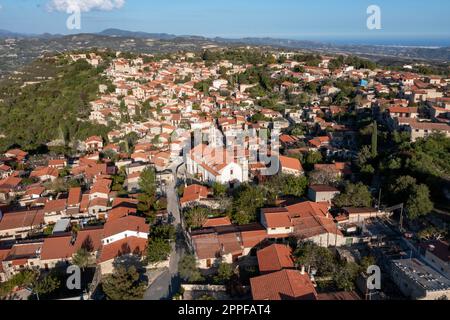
(168, 283)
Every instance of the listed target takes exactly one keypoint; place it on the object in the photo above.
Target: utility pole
(401, 218)
(337, 229)
(379, 199)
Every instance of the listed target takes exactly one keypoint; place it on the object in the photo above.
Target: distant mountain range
(117, 39)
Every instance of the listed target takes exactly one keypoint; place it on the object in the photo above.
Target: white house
(129, 226)
(216, 165)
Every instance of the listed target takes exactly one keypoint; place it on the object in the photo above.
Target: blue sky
(403, 21)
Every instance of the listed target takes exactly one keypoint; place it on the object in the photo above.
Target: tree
(81, 258)
(374, 140)
(219, 189)
(27, 114)
(146, 204)
(354, 195)
(325, 177)
(187, 267)
(158, 250)
(419, 203)
(197, 216)
(46, 285)
(247, 201)
(312, 158)
(147, 182)
(164, 231)
(295, 186)
(288, 185)
(124, 284)
(345, 276)
(24, 278)
(402, 186)
(366, 262)
(309, 254)
(298, 131)
(431, 233)
(224, 273)
(364, 156)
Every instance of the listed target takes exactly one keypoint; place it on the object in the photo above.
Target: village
(210, 191)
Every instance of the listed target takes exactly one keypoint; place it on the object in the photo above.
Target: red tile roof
(283, 285)
(130, 245)
(57, 248)
(9, 183)
(101, 186)
(129, 223)
(217, 222)
(45, 171)
(25, 219)
(23, 251)
(55, 205)
(94, 139)
(89, 239)
(100, 202)
(120, 212)
(308, 219)
(252, 235)
(274, 258)
(291, 163)
(35, 191)
(3, 254)
(207, 246)
(402, 110)
(194, 192)
(74, 197)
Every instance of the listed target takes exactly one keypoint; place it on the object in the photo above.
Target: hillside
(34, 114)
(17, 50)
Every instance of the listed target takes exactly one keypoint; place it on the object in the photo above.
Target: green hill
(33, 114)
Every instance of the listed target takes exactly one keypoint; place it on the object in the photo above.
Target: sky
(403, 22)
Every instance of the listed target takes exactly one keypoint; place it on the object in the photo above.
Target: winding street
(168, 283)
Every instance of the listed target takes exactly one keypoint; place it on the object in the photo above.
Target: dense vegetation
(35, 114)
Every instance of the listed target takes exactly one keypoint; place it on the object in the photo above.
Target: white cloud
(70, 6)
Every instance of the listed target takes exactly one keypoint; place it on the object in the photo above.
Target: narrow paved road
(168, 283)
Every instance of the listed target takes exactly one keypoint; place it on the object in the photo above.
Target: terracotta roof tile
(74, 197)
(129, 223)
(283, 285)
(216, 222)
(130, 245)
(274, 258)
(24, 219)
(57, 248)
